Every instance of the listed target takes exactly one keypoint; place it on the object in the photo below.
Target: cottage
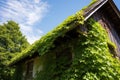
(82, 47)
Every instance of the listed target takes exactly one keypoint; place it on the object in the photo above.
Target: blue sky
(37, 17)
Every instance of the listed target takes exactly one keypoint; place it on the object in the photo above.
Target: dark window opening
(63, 60)
(29, 71)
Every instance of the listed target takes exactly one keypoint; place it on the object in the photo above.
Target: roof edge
(93, 10)
(114, 8)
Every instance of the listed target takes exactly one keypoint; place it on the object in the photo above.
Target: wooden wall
(109, 26)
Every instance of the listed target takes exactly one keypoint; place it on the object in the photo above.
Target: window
(29, 71)
(63, 60)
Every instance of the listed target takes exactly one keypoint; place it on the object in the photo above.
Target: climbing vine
(91, 56)
(92, 59)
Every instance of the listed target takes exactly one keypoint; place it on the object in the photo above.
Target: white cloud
(33, 38)
(37, 1)
(25, 28)
(27, 13)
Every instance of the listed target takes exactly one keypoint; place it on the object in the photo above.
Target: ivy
(43, 45)
(92, 59)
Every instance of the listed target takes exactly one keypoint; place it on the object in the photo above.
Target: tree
(12, 42)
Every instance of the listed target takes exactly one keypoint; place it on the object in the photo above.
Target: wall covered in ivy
(75, 50)
(91, 58)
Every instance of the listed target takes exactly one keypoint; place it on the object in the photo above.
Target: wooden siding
(109, 26)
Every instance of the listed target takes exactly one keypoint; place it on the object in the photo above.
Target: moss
(91, 3)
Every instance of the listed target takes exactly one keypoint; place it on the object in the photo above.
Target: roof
(44, 45)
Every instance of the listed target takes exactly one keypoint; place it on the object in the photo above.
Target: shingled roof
(44, 45)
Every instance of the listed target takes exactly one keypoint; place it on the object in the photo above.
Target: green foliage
(92, 59)
(92, 2)
(46, 42)
(5, 72)
(11, 42)
(48, 61)
(43, 45)
(11, 38)
(18, 74)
